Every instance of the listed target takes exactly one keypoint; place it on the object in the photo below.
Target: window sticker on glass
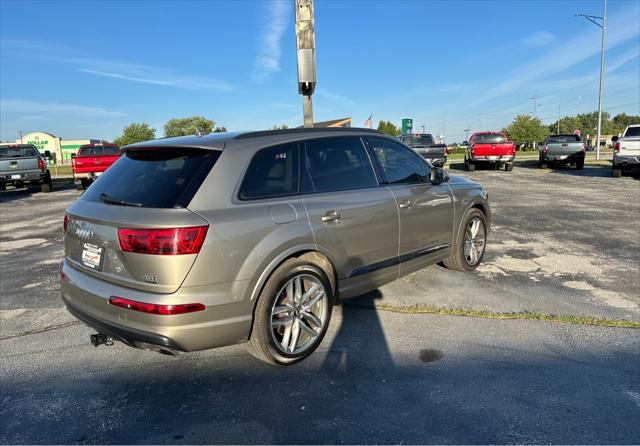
(281, 156)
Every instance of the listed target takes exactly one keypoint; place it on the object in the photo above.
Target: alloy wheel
(299, 314)
(474, 241)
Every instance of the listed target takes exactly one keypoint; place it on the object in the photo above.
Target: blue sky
(86, 69)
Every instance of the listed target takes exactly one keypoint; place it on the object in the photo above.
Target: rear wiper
(109, 200)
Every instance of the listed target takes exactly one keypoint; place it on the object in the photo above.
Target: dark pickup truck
(22, 164)
(427, 148)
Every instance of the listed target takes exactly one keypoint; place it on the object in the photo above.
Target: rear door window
(632, 131)
(564, 138)
(165, 177)
(490, 139)
(273, 172)
(109, 150)
(17, 152)
(399, 164)
(336, 164)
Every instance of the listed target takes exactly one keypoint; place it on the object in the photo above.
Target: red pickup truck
(490, 147)
(91, 160)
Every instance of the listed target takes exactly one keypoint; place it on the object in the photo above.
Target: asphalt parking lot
(563, 242)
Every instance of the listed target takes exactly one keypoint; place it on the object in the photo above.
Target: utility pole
(558, 119)
(535, 103)
(422, 129)
(20, 133)
(466, 134)
(603, 25)
(306, 48)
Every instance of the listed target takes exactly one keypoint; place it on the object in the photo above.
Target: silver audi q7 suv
(197, 242)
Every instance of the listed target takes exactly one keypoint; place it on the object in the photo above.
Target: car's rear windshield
(416, 140)
(490, 139)
(98, 150)
(632, 131)
(17, 152)
(564, 138)
(153, 178)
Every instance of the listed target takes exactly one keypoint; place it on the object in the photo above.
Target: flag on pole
(367, 123)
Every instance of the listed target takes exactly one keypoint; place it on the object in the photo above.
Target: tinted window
(490, 139)
(564, 138)
(109, 150)
(632, 131)
(415, 140)
(273, 172)
(336, 164)
(155, 178)
(16, 152)
(399, 164)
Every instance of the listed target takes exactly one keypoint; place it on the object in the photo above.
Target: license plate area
(92, 256)
(15, 176)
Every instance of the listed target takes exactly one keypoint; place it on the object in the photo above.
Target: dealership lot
(562, 242)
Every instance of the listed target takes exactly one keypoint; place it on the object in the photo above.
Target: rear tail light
(41, 164)
(616, 147)
(584, 147)
(65, 223)
(545, 148)
(154, 308)
(174, 241)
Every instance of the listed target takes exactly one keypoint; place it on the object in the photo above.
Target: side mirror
(73, 155)
(47, 154)
(465, 143)
(438, 176)
(615, 138)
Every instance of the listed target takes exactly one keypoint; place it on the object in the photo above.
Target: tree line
(138, 132)
(526, 130)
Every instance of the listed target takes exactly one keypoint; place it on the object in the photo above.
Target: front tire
(292, 313)
(470, 244)
(580, 164)
(616, 172)
(508, 167)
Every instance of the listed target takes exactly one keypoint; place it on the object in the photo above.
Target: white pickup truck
(626, 150)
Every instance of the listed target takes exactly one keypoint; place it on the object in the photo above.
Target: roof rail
(247, 135)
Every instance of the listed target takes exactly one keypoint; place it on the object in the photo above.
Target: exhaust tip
(99, 339)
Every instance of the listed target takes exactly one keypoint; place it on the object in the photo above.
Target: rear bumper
(87, 298)
(130, 336)
(22, 177)
(493, 158)
(567, 157)
(626, 160)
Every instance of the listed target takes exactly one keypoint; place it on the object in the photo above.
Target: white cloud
(539, 38)
(267, 62)
(334, 97)
(113, 68)
(623, 27)
(17, 106)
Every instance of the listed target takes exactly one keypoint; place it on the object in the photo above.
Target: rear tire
(268, 342)
(508, 167)
(616, 172)
(471, 166)
(459, 260)
(580, 164)
(47, 185)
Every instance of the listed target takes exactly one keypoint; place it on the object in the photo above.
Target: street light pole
(306, 49)
(603, 26)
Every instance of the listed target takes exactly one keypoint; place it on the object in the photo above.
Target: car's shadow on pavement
(434, 388)
(12, 194)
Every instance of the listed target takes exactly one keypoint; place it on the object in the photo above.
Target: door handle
(331, 216)
(405, 204)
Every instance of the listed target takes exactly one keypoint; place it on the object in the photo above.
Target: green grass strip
(528, 315)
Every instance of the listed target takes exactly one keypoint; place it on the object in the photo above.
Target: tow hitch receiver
(99, 339)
